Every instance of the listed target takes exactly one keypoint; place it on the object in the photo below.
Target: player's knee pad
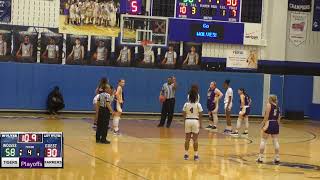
(263, 143)
(276, 143)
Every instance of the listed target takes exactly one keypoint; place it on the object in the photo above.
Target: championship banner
(299, 5)
(316, 16)
(242, 59)
(5, 11)
(298, 28)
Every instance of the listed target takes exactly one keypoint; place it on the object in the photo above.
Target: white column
(266, 90)
(148, 6)
(316, 90)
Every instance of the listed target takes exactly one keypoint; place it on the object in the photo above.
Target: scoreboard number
(51, 152)
(10, 152)
(194, 10)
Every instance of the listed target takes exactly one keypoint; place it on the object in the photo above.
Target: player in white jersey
(101, 53)
(3, 46)
(96, 13)
(104, 15)
(52, 50)
(118, 106)
(83, 10)
(170, 58)
(192, 114)
(25, 49)
(192, 58)
(89, 12)
(228, 98)
(72, 16)
(124, 56)
(112, 14)
(77, 53)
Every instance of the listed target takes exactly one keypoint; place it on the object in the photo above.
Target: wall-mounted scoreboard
(221, 10)
(31, 149)
(130, 6)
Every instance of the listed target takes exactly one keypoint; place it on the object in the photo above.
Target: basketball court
(144, 151)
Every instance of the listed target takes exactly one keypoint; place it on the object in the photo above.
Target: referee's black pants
(167, 111)
(102, 124)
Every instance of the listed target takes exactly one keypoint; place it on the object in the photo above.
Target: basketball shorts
(228, 108)
(192, 126)
(247, 111)
(117, 107)
(271, 127)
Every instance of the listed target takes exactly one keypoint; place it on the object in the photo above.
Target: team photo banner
(299, 5)
(5, 11)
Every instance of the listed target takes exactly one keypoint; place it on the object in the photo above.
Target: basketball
(162, 98)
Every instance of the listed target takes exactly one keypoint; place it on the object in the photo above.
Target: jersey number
(191, 110)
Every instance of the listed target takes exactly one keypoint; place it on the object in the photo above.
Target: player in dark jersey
(117, 106)
(245, 105)
(104, 113)
(213, 97)
(271, 128)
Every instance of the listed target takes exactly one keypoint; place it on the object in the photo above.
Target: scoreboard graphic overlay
(220, 10)
(31, 149)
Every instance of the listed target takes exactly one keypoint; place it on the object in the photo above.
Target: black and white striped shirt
(168, 91)
(103, 99)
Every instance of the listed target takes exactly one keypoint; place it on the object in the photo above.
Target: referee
(169, 91)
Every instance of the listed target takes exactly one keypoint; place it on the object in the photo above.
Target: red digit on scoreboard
(183, 10)
(51, 152)
(233, 3)
(134, 6)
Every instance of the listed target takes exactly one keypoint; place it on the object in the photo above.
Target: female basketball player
(271, 128)
(195, 88)
(245, 103)
(192, 114)
(228, 105)
(117, 105)
(213, 97)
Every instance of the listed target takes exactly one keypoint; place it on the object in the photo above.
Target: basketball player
(170, 58)
(100, 56)
(78, 13)
(118, 105)
(83, 10)
(72, 17)
(96, 13)
(148, 56)
(89, 13)
(52, 51)
(228, 105)
(124, 56)
(213, 97)
(66, 12)
(192, 58)
(77, 53)
(26, 49)
(192, 114)
(271, 128)
(245, 103)
(194, 88)
(104, 15)
(104, 113)
(3, 46)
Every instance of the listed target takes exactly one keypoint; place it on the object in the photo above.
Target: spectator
(170, 59)
(192, 60)
(55, 101)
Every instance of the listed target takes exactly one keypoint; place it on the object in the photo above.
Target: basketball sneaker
(105, 142)
(116, 133)
(259, 160)
(209, 127)
(214, 128)
(235, 134)
(196, 158)
(276, 160)
(186, 157)
(245, 133)
(227, 131)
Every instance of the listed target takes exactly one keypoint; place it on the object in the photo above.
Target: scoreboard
(130, 6)
(31, 150)
(221, 10)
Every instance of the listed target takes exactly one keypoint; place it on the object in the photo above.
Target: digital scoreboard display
(130, 6)
(31, 150)
(221, 10)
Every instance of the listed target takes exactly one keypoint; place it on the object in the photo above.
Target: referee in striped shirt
(169, 91)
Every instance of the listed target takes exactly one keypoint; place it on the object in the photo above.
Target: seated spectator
(192, 60)
(55, 101)
(170, 59)
(100, 55)
(148, 57)
(124, 58)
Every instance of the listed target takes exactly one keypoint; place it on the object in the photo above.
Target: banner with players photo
(90, 17)
(298, 28)
(100, 48)
(76, 49)
(316, 16)
(5, 45)
(191, 56)
(25, 46)
(5, 11)
(242, 59)
(51, 48)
